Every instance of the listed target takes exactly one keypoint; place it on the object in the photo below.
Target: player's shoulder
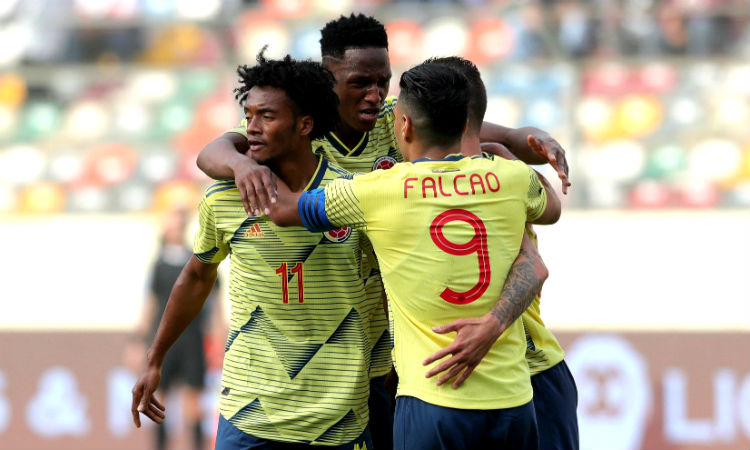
(219, 190)
(332, 170)
(388, 105)
(500, 161)
(241, 128)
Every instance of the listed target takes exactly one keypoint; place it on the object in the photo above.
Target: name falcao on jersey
(447, 185)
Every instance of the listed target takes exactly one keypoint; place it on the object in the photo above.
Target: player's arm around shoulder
(219, 156)
(284, 212)
(225, 158)
(545, 201)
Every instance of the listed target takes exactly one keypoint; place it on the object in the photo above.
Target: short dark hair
(308, 85)
(477, 91)
(438, 98)
(355, 31)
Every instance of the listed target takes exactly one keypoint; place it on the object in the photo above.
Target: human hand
(257, 186)
(546, 146)
(144, 400)
(474, 338)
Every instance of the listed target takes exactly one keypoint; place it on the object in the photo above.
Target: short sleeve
(536, 198)
(333, 207)
(241, 128)
(209, 247)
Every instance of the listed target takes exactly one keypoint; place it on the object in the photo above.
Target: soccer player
(355, 50)
(555, 392)
(297, 355)
(446, 229)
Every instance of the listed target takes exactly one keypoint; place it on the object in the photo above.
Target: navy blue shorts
(229, 437)
(420, 425)
(381, 415)
(555, 403)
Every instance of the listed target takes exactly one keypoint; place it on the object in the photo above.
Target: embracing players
(446, 229)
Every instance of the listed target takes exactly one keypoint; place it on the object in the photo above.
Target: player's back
(446, 234)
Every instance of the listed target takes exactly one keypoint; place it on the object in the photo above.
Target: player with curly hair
(297, 358)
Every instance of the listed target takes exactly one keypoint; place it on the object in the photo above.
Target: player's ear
(407, 128)
(305, 125)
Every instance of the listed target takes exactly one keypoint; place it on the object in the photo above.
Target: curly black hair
(308, 85)
(477, 91)
(355, 31)
(438, 99)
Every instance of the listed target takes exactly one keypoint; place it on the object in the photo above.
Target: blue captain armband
(312, 210)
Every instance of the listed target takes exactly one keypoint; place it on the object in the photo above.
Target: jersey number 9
(477, 244)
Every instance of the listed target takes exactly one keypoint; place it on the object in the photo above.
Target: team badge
(338, 236)
(384, 162)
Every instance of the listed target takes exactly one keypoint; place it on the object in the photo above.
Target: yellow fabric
(398, 209)
(377, 149)
(542, 349)
(295, 371)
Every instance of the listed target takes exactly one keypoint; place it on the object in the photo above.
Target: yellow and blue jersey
(446, 233)
(297, 355)
(377, 149)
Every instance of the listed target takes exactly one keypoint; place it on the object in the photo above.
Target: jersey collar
(343, 149)
(453, 157)
(319, 173)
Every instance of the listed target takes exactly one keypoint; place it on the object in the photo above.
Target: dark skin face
(362, 79)
(278, 137)
(271, 123)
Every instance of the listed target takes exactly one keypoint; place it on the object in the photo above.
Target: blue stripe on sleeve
(312, 211)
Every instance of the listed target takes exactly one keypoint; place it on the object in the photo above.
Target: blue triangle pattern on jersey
(253, 413)
(347, 426)
(349, 330)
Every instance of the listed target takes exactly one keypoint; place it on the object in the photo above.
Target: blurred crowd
(104, 104)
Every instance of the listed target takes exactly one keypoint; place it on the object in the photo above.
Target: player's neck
(471, 145)
(436, 152)
(348, 136)
(297, 168)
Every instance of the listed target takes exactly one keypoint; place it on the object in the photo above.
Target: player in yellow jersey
(555, 392)
(296, 366)
(446, 229)
(355, 50)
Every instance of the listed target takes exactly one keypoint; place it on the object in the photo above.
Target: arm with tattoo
(525, 280)
(475, 336)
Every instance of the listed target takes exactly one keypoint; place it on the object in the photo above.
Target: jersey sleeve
(209, 247)
(241, 128)
(536, 198)
(333, 207)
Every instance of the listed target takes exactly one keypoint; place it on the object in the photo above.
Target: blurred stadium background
(104, 105)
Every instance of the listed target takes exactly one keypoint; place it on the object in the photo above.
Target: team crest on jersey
(384, 162)
(338, 236)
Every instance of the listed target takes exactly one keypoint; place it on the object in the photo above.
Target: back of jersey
(446, 233)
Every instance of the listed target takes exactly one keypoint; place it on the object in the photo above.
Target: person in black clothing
(185, 363)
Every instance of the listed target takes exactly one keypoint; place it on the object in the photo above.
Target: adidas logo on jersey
(254, 232)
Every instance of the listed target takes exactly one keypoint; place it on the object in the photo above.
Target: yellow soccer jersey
(542, 349)
(297, 356)
(378, 149)
(445, 233)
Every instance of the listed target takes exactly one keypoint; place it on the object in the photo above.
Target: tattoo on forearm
(520, 288)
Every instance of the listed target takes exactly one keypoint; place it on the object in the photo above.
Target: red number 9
(477, 244)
